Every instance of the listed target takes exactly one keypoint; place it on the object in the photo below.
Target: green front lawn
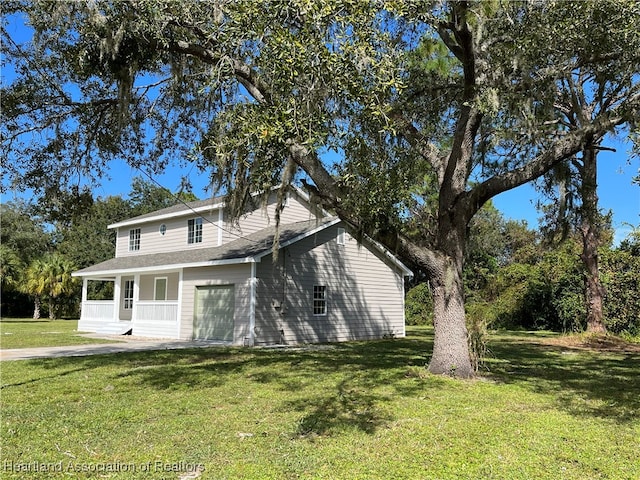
(26, 333)
(363, 410)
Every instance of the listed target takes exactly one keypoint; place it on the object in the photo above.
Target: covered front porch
(146, 305)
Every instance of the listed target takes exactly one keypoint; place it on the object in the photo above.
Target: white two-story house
(186, 272)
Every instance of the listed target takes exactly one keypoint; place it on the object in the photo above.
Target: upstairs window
(341, 237)
(319, 300)
(134, 239)
(194, 234)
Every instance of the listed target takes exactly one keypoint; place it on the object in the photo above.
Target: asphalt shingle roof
(178, 208)
(244, 247)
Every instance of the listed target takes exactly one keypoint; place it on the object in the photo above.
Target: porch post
(136, 297)
(252, 305)
(117, 295)
(85, 288)
(179, 319)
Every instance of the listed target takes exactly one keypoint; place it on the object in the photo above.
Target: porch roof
(250, 248)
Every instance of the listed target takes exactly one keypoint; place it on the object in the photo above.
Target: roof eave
(156, 268)
(406, 272)
(302, 236)
(181, 213)
(190, 211)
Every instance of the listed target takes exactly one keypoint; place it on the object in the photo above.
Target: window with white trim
(160, 289)
(194, 231)
(128, 294)
(134, 239)
(341, 238)
(319, 300)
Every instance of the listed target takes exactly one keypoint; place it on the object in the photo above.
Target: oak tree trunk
(450, 346)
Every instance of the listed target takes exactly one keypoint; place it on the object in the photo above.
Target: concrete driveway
(130, 344)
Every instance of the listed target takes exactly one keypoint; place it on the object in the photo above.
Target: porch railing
(97, 310)
(156, 319)
(150, 319)
(157, 311)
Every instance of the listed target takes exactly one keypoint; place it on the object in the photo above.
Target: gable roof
(173, 211)
(249, 249)
(189, 208)
(245, 249)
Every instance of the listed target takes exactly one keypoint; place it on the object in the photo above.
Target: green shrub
(477, 337)
(620, 271)
(547, 295)
(419, 305)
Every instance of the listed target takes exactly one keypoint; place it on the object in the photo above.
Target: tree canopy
(432, 107)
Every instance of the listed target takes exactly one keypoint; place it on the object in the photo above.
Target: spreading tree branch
(562, 149)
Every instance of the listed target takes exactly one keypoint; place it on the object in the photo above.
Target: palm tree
(61, 281)
(33, 284)
(48, 277)
(10, 267)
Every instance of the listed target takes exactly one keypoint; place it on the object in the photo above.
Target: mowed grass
(26, 333)
(363, 410)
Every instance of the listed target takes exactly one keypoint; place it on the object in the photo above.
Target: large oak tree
(432, 107)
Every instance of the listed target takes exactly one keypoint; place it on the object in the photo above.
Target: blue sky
(615, 170)
(616, 192)
(615, 189)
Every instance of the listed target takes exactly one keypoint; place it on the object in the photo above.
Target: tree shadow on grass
(583, 383)
(159, 369)
(350, 407)
(41, 379)
(25, 321)
(360, 376)
(357, 378)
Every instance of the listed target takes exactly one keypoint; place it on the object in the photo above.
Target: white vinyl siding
(151, 241)
(251, 222)
(174, 239)
(365, 293)
(358, 294)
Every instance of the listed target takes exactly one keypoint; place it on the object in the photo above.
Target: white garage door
(214, 313)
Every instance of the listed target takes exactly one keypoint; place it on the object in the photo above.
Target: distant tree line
(517, 277)
(42, 244)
